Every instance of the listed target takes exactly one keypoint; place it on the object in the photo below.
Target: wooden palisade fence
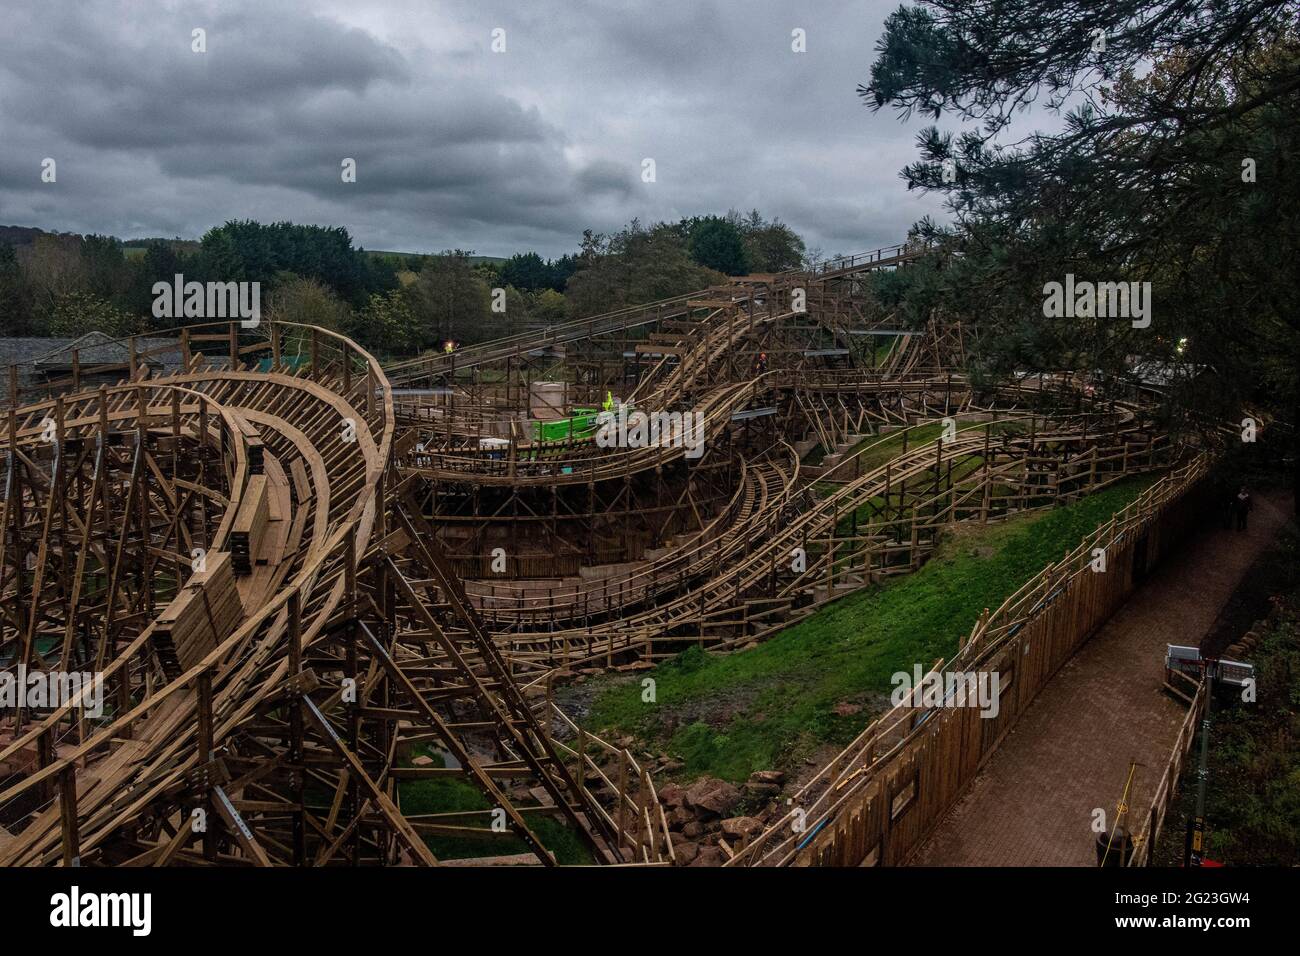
(880, 798)
(1153, 820)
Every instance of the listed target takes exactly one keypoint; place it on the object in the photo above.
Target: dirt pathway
(1032, 804)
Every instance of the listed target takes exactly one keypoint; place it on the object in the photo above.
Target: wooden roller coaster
(288, 569)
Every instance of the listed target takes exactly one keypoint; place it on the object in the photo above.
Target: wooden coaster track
(434, 365)
(700, 345)
(765, 486)
(236, 539)
(265, 717)
(855, 810)
(899, 507)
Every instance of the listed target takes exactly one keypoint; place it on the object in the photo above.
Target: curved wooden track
(262, 686)
(251, 550)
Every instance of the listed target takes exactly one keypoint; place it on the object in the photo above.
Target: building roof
(93, 348)
(1164, 373)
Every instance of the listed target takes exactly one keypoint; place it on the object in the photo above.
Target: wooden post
(296, 732)
(45, 757)
(581, 775)
(622, 796)
(203, 684)
(68, 813)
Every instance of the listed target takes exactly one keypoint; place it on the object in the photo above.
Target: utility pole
(1195, 852)
(1125, 848)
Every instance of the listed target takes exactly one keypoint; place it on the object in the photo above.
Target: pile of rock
(1244, 646)
(700, 821)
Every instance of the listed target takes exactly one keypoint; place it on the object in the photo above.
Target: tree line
(395, 304)
(1175, 165)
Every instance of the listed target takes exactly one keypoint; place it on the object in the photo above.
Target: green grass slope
(457, 795)
(823, 680)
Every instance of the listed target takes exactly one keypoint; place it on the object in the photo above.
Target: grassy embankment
(820, 682)
(817, 684)
(455, 794)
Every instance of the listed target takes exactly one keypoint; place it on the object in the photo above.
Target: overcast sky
(455, 145)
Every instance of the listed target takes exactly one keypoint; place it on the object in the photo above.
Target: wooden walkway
(1033, 802)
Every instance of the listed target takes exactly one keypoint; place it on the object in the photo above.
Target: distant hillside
(20, 235)
(136, 247)
(26, 235)
(425, 255)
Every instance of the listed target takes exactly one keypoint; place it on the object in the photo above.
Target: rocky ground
(702, 818)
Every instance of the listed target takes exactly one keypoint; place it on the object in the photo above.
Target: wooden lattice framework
(274, 552)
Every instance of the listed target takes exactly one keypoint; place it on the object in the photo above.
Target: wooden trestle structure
(278, 557)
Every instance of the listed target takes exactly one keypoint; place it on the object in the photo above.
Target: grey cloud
(455, 145)
(604, 176)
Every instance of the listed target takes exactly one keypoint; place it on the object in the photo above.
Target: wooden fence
(880, 798)
(1153, 820)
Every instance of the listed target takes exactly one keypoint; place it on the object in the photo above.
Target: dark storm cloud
(606, 177)
(455, 145)
(125, 77)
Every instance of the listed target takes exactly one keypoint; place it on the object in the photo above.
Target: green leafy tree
(527, 272)
(770, 246)
(308, 302)
(159, 263)
(76, 313)
(633, 266)
(17, 313)
(104, 266)
(549, 306)
(1175, 168)
(561, 269)
(718, 244)
(385, 325)
(53, 266)
(449, 301)
(255, 252)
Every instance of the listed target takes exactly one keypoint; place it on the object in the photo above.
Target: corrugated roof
(93, 348)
